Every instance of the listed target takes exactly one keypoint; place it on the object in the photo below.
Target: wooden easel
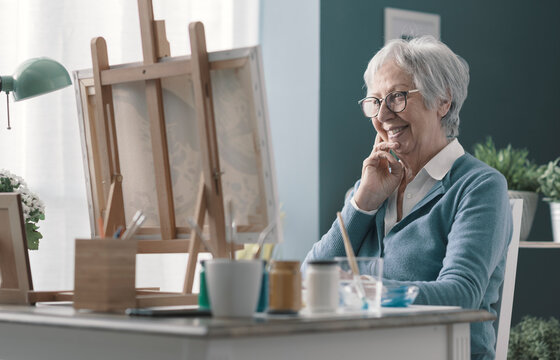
(108, 180)
(106, 177)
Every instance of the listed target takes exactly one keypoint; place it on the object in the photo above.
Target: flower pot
(555, 220)
(530, 200)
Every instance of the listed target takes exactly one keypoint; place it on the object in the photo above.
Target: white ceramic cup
(233, 286)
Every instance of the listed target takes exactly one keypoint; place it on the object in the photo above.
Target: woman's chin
(401, 144)
(401, 150)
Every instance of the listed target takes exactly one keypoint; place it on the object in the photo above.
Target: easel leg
(194, 247)
(114, 216)
(202, 87)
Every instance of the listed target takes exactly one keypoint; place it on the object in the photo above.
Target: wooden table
(60, 332)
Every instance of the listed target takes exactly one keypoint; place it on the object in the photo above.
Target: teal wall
(513, 49)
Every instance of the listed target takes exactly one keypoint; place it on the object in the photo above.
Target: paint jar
(263, 298)
(284, 287)
(321, 283)
(203, 302)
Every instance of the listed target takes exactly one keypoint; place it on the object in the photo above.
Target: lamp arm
(7, 85)
(8, 110)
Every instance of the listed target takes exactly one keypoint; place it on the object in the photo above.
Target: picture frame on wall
(407, 24)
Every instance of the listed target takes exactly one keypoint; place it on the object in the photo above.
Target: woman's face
(417, 129)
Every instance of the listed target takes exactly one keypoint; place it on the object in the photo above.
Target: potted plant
(521, 174)
(549, 182)
(33, 207)
(535, 338)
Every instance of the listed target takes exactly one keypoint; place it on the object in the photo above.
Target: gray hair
(436, 70)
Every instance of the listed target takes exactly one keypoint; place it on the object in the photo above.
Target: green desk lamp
(34, 77)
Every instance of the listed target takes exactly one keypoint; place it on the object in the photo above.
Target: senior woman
(439, 217)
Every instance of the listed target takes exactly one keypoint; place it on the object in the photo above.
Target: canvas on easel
(243, 140)
(177, 138)
(15, 282)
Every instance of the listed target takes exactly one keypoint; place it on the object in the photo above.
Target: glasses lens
(370, 107)
(396, 101)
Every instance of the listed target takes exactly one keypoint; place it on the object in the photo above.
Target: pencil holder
(105, 274)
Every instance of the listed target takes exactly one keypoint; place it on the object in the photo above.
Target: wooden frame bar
(208, 140)
(173, 67)
(154, 103)
(108, 156)
(14, 260)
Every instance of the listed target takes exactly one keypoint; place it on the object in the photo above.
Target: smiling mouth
(395, 131)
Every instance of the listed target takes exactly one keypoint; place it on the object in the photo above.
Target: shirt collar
(440, 164)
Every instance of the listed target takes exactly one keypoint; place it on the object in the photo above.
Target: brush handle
(348, 246)
(204, 241)
(262, 236)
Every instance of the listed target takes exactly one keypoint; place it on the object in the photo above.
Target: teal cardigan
(452, 245)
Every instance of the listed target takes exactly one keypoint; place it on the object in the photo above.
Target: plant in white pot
(549, 182)
(521, 175)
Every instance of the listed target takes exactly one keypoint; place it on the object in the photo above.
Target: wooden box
(105, 274)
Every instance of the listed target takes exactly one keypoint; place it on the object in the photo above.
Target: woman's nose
(384, 112)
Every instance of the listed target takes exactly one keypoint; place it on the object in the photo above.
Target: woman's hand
(381, 175)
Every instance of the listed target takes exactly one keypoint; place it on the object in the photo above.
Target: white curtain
(44, 145)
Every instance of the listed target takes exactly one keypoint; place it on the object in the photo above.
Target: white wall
(289, 35)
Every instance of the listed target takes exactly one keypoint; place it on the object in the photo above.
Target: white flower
(30, 201)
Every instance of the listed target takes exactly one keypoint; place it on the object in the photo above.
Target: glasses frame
(404, 93)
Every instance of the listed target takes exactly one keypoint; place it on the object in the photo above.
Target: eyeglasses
(395, 101)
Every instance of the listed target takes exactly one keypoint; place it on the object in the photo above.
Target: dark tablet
(193, 311)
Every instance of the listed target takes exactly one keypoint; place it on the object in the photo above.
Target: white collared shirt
(426, 178)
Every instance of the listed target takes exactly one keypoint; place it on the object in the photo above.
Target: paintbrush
(262, 236)
(137, 220)
(232, 238)
(130, 225)
(205, 241)
(353, 263)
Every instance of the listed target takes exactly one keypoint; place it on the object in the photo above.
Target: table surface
(63, 315)
(539, 244)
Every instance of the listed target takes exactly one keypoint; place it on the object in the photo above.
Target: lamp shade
(39, 76)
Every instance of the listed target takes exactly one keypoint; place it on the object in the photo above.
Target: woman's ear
(443, 107)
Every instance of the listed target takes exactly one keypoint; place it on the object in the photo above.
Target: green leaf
(549, 180)
(520, 173)
(33, 236)
(535, 338)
